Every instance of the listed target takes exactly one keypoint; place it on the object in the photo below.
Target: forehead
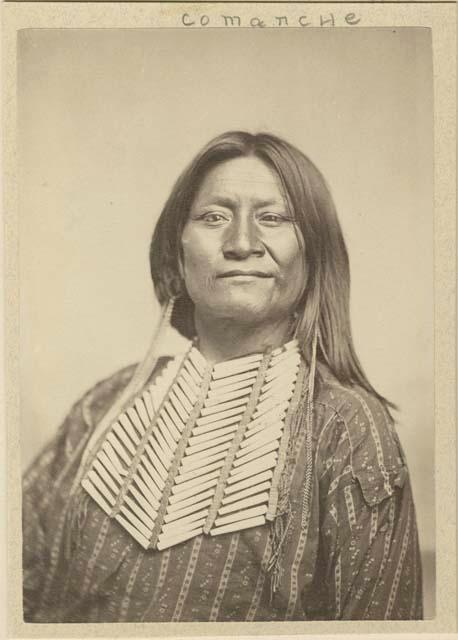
(247, 178)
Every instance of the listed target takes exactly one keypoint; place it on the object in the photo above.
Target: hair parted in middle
(324, 308)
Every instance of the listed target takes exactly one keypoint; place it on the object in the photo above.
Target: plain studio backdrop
(107, 121)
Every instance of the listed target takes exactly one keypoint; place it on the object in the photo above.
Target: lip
(239, 273)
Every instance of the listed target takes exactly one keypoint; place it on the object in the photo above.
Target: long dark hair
(324, 307)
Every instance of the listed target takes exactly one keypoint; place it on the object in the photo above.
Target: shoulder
(81, 418)
(87, 412)
(84, 415)
(354, 432)
(98, 398)
(101, 396)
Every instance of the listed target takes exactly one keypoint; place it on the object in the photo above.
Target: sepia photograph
(226, 322)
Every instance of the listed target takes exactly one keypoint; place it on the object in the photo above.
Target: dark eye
(213, 217)
(272, 219)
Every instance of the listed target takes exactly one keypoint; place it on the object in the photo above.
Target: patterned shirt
(349, 550)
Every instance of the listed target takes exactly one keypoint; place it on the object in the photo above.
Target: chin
(243, 311)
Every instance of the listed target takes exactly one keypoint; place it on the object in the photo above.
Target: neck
(221, 339)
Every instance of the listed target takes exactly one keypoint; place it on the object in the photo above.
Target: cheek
(290, 255)
(198, 260)
(293, 268)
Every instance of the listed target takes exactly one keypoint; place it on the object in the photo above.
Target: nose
(242, 240)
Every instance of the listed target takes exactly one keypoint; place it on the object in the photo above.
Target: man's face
(241, 255)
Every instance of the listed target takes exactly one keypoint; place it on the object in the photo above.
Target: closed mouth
(253, 274)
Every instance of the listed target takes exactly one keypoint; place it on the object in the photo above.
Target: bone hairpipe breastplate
(198, 451)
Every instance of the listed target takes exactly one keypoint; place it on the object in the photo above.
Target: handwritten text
(320, 20)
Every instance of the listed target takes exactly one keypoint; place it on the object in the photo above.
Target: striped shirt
(348, 551)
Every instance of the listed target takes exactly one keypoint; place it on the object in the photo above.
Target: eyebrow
(260, 204)
(228, 202)
(222, 201)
